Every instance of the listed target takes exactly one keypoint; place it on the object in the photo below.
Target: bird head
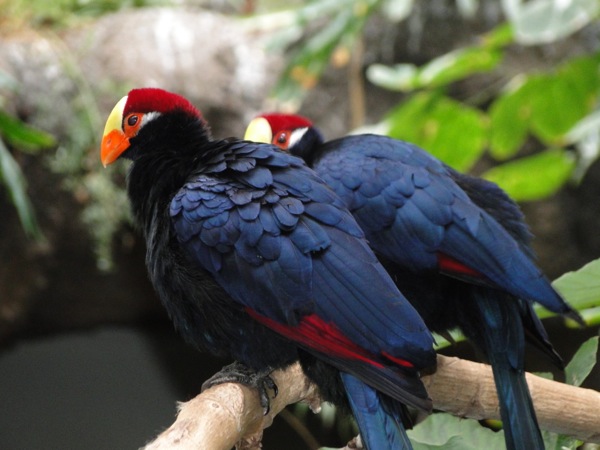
(131, 116)
(293, 133)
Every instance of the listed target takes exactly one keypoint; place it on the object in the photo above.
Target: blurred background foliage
(557, 107)
(531, 132)
(539, 128)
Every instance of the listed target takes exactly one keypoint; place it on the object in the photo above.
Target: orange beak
(114, 141)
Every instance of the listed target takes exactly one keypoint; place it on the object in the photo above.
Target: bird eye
(132, 120)
(282, 140)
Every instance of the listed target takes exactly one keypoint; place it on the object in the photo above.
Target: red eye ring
(282, 139)
(132, 124)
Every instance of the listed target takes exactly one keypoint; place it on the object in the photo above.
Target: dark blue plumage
(423, 219)
(256, 259)
(378, 419)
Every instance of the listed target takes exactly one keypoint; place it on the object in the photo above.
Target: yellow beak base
(259, 130)
(114, 141)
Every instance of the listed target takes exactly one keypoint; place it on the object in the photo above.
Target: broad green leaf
(451, 131)
(553, 441)
(591, 316)
(23, 136)
(581, 288)
(457, 65)
(500, 36)
(13, 179)
(438, 72)
(548, 105)
(543, 21)
(444, 431)
(509, 123)
(582, 362)
(559, 100)
(533, 177)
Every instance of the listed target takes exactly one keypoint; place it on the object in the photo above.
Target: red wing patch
(314, 333)
(451, 266)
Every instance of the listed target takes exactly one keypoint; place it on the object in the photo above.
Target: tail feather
(521, 429)
(380, 420)
(503, 338)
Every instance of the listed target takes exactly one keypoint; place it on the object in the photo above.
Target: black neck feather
(165, 153)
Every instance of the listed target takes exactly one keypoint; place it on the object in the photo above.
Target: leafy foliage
(534, 177)
(556, 108)
(61, 12)
(545, 106)
(27, 139)
(582, 289)
(432, 120)
(582, 362)
(444, 431)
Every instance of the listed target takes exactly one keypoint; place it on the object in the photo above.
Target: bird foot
(239, 373)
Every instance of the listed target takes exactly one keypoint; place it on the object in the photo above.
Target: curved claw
(239, 373)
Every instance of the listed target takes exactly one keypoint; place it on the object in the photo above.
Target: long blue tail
(379, 420)
(504, 344)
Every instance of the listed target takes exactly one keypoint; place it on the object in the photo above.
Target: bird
(456, 245)
(256, 259)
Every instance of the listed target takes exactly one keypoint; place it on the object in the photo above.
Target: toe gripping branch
(242, 374)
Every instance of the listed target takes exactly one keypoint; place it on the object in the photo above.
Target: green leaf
(440, 71)
(509, 123)
(582, 362)
(591, 316)
(553, 441)
(548, 105)
(13, 179)
(581, 288)
(23, 136)
(457, 65)
(559, 100)
(444, 431)
(533, 177)
(449, 130)
(500, 36)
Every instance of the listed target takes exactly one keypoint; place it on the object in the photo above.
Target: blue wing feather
(294, 250)
(432, 213)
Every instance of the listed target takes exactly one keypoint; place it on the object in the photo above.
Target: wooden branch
(466, 389)
(228, 414)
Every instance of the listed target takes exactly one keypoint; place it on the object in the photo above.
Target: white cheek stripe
(148, 117)
(296, 136)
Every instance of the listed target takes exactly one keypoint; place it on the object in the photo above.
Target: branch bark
(230, 414)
